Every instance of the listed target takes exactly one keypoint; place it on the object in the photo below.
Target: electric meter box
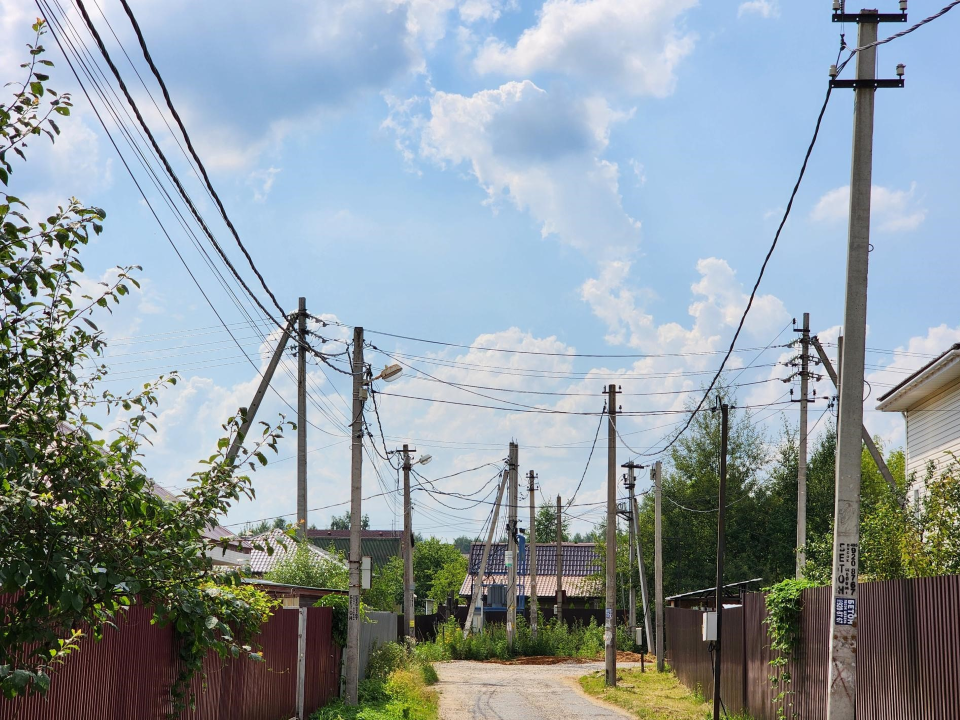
(709, 626)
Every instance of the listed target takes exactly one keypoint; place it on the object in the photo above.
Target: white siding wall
(933, 428)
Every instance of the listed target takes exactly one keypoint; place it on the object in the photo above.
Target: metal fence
(379, 629)
(908, 656)
(129, 673)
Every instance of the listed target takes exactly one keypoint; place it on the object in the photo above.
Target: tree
(429, 557)
(83, 534)
(342, 522)
(463, 544)
(690, 487)
(449, 579)
(546, 522)
(306, 568)
(386, 586)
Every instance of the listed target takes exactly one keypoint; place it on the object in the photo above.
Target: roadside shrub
(384, 659)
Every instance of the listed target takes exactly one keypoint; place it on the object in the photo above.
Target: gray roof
(262, 562)
(579, 559)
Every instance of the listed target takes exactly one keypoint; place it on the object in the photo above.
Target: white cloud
(262, 182)
(891, 210)
(541, 150)
(763, 8)
(719, 301)
(633, 46)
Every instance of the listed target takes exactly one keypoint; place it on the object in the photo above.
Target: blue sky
(592, 176)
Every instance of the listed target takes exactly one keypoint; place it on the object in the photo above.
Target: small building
(235, 553)
(706, 599)
(262, 562)
(378, 545)
(929, 400)
(581, 565)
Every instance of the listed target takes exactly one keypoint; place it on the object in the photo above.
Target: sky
(566, 178)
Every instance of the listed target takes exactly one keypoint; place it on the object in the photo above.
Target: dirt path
(486, 691)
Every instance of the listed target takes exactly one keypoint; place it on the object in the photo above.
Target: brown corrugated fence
(128, 674)
(908, 654)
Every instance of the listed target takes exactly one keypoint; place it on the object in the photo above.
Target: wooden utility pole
(721, 547)
(842, 692)
(481, 571)
(644, 592)
(867, 439)
(802, 459)
(251, 412)
(409, 616)
(658, 565)
(352, 655)
(532, 554)
(559, 612)
(512, 548)
(610, 624)
(302, 420)
(631, 483)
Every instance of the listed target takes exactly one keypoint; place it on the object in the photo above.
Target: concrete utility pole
(867, 439)
(352, 656)
(482, 570)
(630, 482)
(802, 460)
(251, 413)
(658, 564)
(302, 420)
(644, 592)
(841, 698)
(408, 587)
(721, 547)
(610, 626)
(532, 545)
(512, 548)
(559, 562)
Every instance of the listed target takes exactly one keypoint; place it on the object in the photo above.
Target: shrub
(384, 659)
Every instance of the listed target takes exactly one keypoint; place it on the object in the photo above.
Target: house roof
(707, 591)
(939, 373)
(214, 533)
(346, 534)
(283, 545)
(379, 545)
(579, 560)
(574, 587)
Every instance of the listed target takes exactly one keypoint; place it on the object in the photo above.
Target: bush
(554, 638)
(384, 659)
(402, 693)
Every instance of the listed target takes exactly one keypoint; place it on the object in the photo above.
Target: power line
(756, 285)
(589, 457)
(551, 354)
(186, 137)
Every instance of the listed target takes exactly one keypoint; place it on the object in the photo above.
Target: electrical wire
(589, 457)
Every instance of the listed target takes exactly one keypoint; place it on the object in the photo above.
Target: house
(236, 553)
(262, 562)
(378, 545)
(581, 586)
(930, 402)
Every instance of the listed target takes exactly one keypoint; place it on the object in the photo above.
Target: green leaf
(210, 622)
(62, 110)
(36, 88)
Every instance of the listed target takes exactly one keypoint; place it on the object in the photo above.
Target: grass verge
(650, 695)
(399, 689)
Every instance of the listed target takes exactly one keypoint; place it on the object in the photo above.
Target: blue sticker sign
(844, 611)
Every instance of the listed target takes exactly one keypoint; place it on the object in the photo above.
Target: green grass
(553, 639)
(651, 696)
(398, 689)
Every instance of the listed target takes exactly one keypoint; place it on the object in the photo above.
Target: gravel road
(487, 691)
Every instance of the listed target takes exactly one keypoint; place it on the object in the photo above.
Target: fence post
(301, 662)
